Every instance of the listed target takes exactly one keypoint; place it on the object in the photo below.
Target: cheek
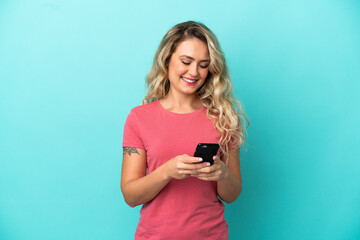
(176, 70)
(179, 68)
(204, 73)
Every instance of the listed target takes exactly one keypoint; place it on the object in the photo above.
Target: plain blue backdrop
(70, 71)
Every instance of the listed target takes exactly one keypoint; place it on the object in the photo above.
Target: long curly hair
(230, 121)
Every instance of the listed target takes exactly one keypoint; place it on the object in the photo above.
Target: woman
(189, 101)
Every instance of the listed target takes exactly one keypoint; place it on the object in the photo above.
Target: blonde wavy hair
(216, 93)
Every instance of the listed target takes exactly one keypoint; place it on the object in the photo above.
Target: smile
(189, 80)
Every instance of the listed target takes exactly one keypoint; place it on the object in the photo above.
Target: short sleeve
(132, 137)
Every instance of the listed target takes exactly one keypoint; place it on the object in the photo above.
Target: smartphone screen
(206, 151)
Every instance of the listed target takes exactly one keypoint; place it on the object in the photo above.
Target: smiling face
(188, 67)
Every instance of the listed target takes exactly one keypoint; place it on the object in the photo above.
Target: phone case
(206, 151)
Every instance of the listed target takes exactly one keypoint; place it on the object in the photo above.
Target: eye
(187, 63)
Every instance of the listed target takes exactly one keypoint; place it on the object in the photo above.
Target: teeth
(188, 80)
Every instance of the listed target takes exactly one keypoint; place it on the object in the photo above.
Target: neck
(181, 103)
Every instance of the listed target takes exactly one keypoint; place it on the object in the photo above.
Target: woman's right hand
(183, 166)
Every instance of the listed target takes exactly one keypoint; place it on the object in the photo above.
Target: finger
(186, 172)
(189, 159)
(209, 169)
(198, 165)
(206, 174)
(207, 178)
(192, 167)
(216, 157)
(203, 175)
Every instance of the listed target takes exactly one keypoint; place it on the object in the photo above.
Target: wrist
(166, 173)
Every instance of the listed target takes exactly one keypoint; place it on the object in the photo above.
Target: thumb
(216, 158)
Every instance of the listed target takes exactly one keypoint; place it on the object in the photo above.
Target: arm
(136, 186)
(139, 188)
(229, 183)
(230, 187)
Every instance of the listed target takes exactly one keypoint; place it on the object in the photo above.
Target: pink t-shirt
(187, 208)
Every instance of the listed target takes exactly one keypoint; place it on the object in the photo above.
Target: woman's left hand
(215, 172)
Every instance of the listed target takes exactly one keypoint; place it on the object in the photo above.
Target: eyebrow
(205, 60)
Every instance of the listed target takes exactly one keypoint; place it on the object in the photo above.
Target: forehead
(193, 48)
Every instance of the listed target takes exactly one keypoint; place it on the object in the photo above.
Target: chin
(194, 92)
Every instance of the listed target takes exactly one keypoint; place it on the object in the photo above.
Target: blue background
(70, 71)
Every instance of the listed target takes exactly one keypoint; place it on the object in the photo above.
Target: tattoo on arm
(130, 150)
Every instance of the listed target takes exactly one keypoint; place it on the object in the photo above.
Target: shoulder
(139, 116)
(144, 108)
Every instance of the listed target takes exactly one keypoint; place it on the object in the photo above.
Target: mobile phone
(206, 151)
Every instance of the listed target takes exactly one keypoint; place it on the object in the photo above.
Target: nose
(193, 70)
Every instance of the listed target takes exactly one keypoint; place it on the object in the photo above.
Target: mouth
(189, 81)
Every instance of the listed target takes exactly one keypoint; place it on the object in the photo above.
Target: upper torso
(183, 209)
